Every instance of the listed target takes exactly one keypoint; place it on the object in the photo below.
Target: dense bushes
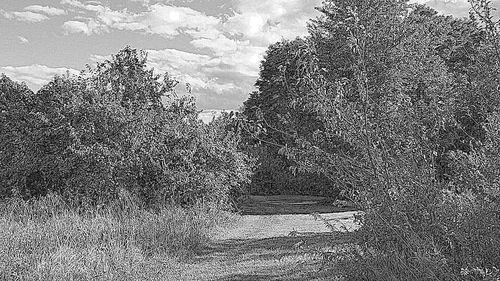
(407, 101)
(16, 123)
(115, 127)
(103, 160)
(454, 71)
(284, 113)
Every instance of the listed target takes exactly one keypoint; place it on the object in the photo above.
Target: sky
(214, 45)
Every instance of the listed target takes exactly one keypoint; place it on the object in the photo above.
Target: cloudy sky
(215, 45)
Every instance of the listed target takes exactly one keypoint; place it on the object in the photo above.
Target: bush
(116, 127)
(281, 108)
(384, 79)
(275, 175)
(18, 124)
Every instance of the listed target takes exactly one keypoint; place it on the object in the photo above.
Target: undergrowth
(47, 240)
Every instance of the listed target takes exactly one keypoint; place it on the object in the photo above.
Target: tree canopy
(114, 128)
(397, 105)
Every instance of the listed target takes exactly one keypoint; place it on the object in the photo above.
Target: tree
(398, 90)
(394, 100)
(120, 127)
(18, 125)
(283, 112)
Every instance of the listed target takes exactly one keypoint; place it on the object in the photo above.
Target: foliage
(391, 87)
(17, 120)
(284, 113)
(119, 127)
(431, 59)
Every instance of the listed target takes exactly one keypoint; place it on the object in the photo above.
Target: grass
(46, 240)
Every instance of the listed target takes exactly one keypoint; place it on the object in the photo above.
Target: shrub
(394, 100)
(281, 108)
(417, 226)
(18, 123)
(116, 127)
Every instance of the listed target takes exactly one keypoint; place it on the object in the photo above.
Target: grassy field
(45, 240)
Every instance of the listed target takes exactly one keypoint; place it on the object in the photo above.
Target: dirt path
(276, 238)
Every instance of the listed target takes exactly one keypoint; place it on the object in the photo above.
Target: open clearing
(276, 238)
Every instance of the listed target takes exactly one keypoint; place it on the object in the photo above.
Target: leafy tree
(432, 60)
(284, 113)
(385, 78)
(18, 124)
(120, 127)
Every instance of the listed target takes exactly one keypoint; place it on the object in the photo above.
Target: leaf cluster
(114, 127)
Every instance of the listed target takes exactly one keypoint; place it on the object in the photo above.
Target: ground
(275, 238)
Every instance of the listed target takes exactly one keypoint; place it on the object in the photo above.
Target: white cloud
(78, 4)
(183, 66)
(233, 44)
(88, 28)
(33, 13)
(144, 2)
(50, 11)
(239, 41)
(219, 45)
(23, 40)
(264, 22)
(170, 20)
(240, 44)
(159, 19)
(34, 75)
(197, 70)
(24, 16)
(243, 38)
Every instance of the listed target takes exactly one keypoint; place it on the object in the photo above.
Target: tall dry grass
(47, 240)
